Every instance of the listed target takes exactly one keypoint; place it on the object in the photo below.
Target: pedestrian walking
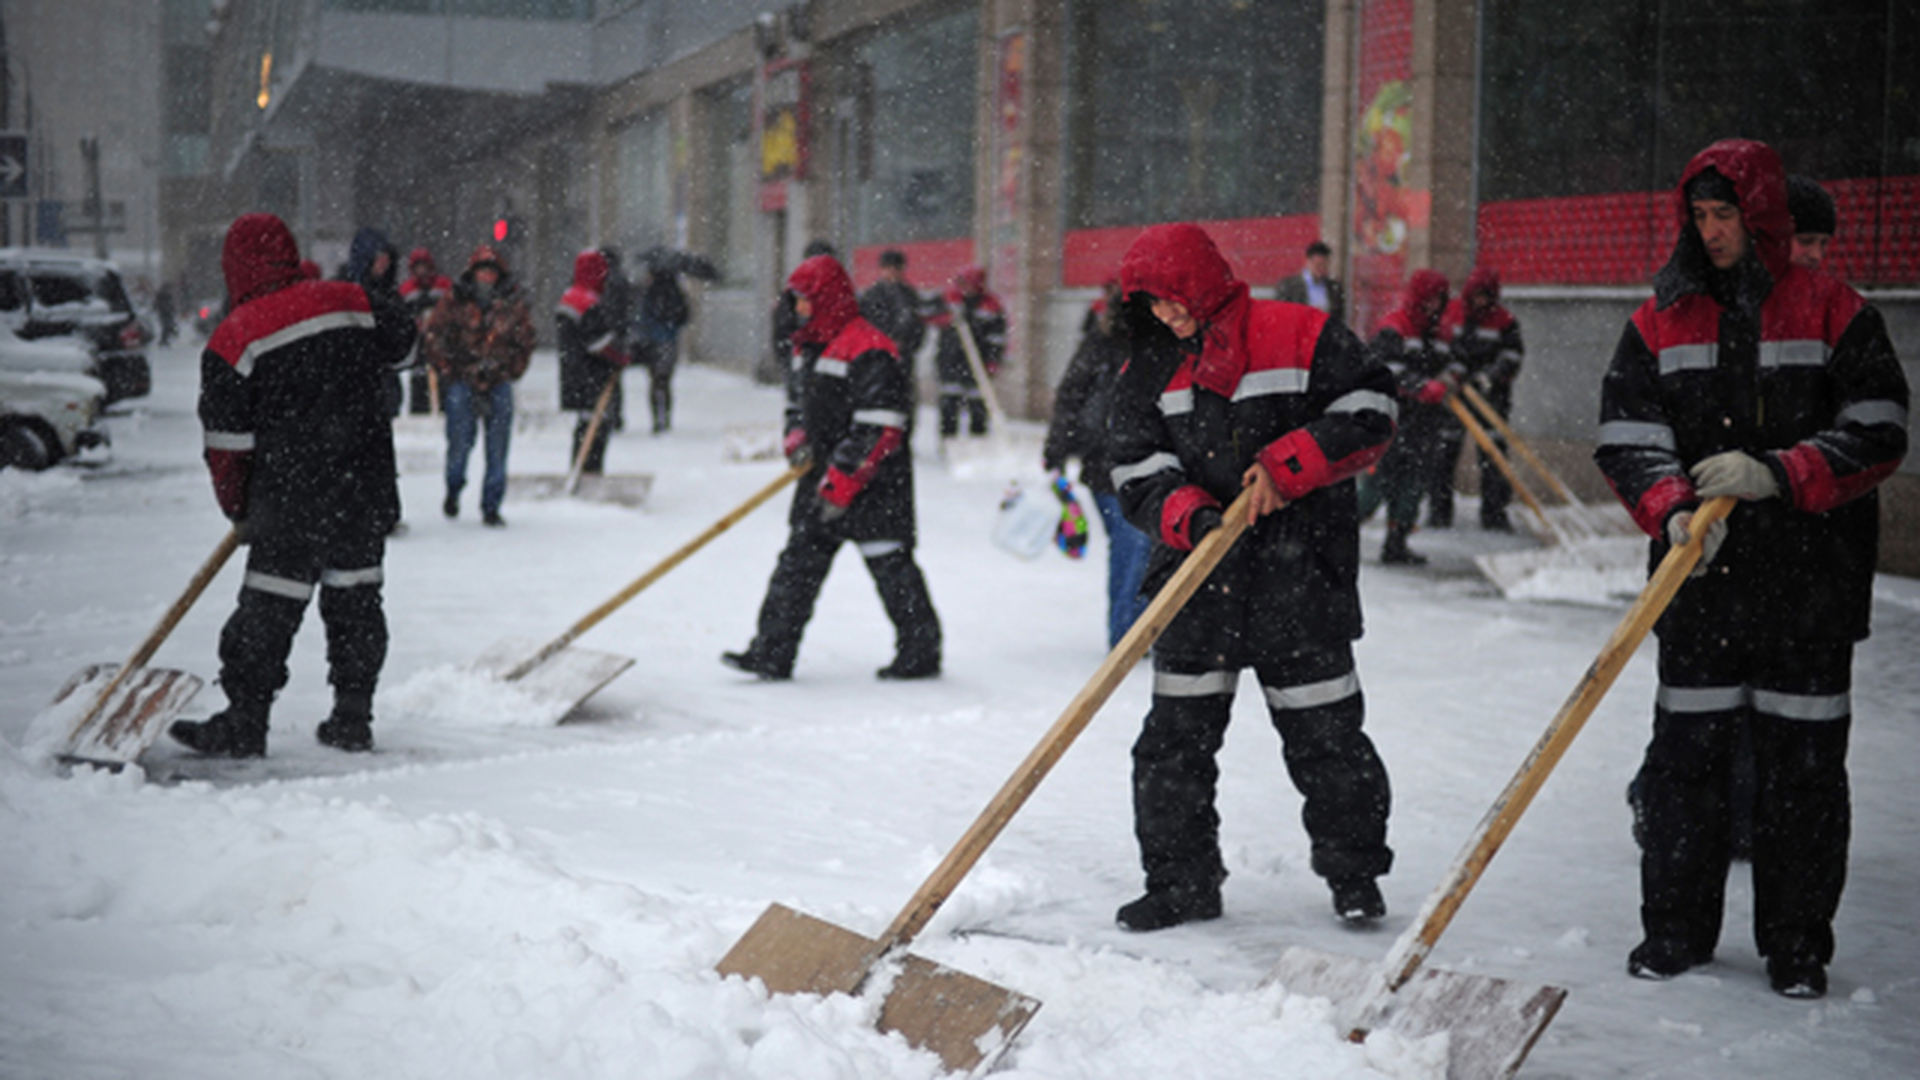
(479, 340)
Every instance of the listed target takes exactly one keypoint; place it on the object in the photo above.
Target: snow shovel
(566, 676)
(1585, 522)
(628, 490)
(964, 1019)
(1492, 450)
(108, 714)
(999, 439)
(1491, 1023)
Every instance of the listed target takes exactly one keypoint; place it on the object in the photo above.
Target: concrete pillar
(1445, 38)
(1019, 181)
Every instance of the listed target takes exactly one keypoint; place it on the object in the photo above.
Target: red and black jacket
(1277, 383)
(1806, 381)
(587, 333)
(292, 393)
(849, 398)
(1485, 341)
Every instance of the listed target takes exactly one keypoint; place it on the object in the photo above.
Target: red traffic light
(499, 230)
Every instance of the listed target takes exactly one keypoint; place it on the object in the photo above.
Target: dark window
(1194, 109)
(1583, 99)
(912, 132)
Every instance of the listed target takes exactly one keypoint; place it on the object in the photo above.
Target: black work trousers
(1796, 700)
(802, 570)
(283, 570)
(1315, 701)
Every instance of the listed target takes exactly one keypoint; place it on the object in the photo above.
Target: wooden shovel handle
(1418, 940)
(1079, 712)
(979, 368)
(659, 571)
(593, 429)
(195, 586)
(1488, 447)
(1492, 415)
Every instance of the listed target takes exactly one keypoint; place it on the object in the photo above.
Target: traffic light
(501, 230)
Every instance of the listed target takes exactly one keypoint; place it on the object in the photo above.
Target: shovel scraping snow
(964, 1019)
(1491, 1023)
(629, 489)
(108, 714)
(562, 675)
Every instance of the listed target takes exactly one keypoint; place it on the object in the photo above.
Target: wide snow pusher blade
(964, 1019)
(1491, 1023)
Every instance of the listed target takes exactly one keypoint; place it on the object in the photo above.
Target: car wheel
(26, 448)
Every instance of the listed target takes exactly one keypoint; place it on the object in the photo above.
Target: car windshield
(77, 290)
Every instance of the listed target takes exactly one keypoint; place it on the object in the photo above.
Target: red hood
(825, 284)
(1760, 181)
(483, 255)
(1483, 279)
(970, 280)
(1424, 286)
(1180, 263)
(259, 256)
(421, 255)
(590, 271)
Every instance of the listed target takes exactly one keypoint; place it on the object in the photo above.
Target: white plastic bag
(1026, 523)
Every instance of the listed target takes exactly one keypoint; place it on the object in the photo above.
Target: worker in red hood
(424, 287)
(848, 422)
(300, 448)
(970, 306)
(1411, 344)
(1749, 377)
(592, 343)
(1485, 338)
(1221, 395)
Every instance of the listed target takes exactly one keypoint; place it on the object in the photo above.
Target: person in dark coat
(479, 339)
(849, 424)
(587, 330)
(1747, 376)
(1315, 285)
(1815, 220)
(373, 263)
(1410, 344)
(661, 311)
(894, 306)
(423, 288)
(968, 301)
(300, 448)
(1223, 393)
(1078, 429)
(1485, 339)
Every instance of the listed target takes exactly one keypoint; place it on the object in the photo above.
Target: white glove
(1680, 530)
(1734, 473)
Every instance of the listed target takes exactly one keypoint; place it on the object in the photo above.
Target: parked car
(63, 354)
(49, 293)
(48, 416)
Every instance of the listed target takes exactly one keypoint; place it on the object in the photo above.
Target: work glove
(1432, 392)
(1483, 380)
(1205, 520)
(1680, 530)
(798, 450)
(1734, 473)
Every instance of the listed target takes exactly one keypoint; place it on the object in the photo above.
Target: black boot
(910, 668)
(231, 733)
(1395, 551)
(757, 665)
(1358, 901)
(1161, 908)
(350, 728)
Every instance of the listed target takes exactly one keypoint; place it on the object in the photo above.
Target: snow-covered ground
(493, 896)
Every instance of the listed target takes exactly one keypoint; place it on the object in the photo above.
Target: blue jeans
(467, 407)
(1127, 550)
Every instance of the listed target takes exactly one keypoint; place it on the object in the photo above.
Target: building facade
(1037, 137)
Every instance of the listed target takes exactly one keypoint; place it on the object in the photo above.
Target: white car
(48, 416)
(62, 354)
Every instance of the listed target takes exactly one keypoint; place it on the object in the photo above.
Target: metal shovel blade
(624, 489)
(123, 726)
(562, 681)
(966, 1020)
(1490, 1023)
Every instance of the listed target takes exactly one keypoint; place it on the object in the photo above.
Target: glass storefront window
(731, 200)
(1193, 110)
(645, 183)
(911, 163)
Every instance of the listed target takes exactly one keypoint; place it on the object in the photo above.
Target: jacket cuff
(1176, 515)
(839, 488)
(1296, 464)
